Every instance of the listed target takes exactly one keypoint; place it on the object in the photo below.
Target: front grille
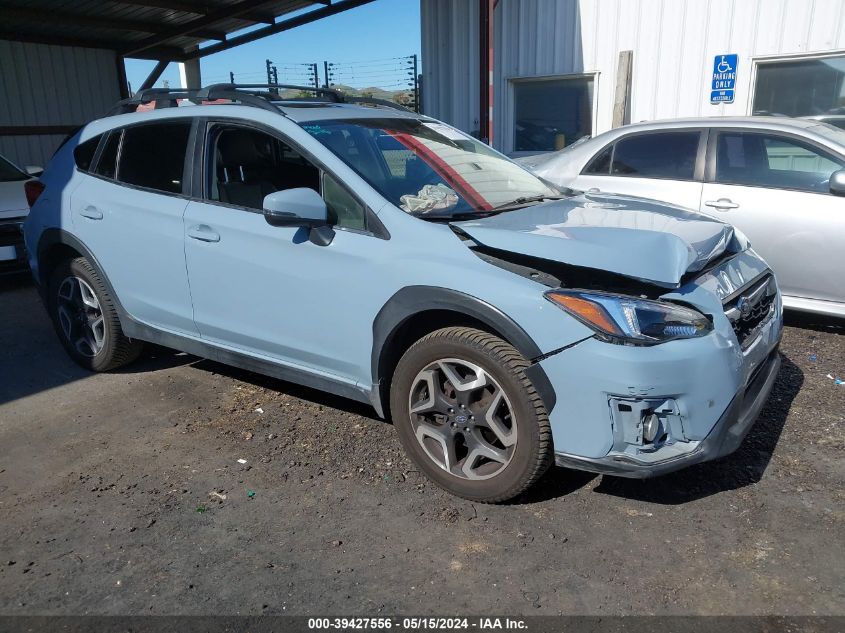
(750, 308)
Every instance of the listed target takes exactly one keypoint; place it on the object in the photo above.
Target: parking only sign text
(724, 79)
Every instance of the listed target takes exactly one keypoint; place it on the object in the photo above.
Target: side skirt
(136, 330)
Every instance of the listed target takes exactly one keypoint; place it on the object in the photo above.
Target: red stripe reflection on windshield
(444, 170)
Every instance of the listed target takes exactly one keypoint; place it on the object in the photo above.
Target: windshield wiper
(526, 200)
(456, 217)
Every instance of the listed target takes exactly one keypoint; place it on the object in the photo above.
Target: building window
(802, 87)
(552, 113)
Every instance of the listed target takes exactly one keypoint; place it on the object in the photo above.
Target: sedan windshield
(8, 172)
(429, 169)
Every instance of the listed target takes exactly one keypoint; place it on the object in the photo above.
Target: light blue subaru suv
(502, 324)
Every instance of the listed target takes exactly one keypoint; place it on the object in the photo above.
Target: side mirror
(837, 183)
(300, 207)
(33, 171)
(295, 207)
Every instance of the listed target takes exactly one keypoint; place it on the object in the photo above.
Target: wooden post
(622, 96)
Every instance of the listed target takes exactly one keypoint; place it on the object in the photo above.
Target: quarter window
(107, 164)
(768, 160)
(153, 156)
(669, 155)
(83, 153)
(600, 165)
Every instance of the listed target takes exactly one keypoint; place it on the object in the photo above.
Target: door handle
(722, 204)
(92, 213)
(203, 233)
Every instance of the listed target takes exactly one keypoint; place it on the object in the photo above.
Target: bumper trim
(725, 437)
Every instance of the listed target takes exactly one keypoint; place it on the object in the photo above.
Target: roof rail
(245, 94)
(272, 90)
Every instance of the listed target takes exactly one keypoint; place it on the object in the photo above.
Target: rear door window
(153, 155)
(667, 155)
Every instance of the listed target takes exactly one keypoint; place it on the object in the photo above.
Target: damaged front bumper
(723, 439)
(637, 411)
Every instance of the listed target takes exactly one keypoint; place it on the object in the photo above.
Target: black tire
(532, 452)
(117, 350)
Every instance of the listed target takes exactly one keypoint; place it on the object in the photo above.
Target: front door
(775, 189)
(268, 291)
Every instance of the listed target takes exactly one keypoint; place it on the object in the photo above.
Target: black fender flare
(54, 236)
(412, 300)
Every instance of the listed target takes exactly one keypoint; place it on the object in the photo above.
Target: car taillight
(33, 189)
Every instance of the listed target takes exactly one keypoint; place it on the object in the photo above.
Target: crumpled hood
(636, 237)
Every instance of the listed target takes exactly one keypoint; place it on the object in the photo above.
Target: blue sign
(724, 79)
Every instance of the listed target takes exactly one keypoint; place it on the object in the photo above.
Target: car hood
(13, 200)
(639, 238)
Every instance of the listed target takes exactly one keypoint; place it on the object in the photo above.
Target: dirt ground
(123, 493)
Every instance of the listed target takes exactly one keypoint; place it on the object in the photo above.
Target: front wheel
(85, 318)
(469, 417)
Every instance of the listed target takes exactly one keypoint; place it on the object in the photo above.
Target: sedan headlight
(624, 319)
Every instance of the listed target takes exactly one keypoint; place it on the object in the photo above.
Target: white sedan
(779, 180)
(13, 209)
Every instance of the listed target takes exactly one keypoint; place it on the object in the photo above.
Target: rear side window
(153, 156)
(669, 155)
(107, 165)
(83, 154)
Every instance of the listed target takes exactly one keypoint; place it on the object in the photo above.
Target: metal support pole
(231, 77)
(316, 76)
(269, 65)
(326, 73)
(154, 74)
(485, 55)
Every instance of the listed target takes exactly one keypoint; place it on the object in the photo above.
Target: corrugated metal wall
(674, 43)
(42, 85)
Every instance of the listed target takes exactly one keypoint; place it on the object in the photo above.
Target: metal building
(61, 63)
(565, 68)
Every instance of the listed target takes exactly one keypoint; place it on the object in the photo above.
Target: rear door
(128, 211)
(774, 187)
(666, 165)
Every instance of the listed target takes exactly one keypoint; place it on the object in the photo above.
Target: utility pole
(231, 77)
(269, 71)
(326, 73)
(316, 76)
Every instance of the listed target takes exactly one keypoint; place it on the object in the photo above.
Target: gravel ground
(123, 493)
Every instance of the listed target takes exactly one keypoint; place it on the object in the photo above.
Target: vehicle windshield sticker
(444, 130)
(316, 130)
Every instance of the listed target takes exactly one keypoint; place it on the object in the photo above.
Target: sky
(367, 41)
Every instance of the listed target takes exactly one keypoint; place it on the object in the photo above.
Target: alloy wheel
(81, 317)
(462, 418)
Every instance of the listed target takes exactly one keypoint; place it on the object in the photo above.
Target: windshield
(8, 172)
(426, 168)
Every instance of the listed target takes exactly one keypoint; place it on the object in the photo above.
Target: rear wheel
(85, 318)
(469, 417)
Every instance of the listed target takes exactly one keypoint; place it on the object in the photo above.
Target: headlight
(623, 319)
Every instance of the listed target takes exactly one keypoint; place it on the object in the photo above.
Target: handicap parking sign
(724, 79)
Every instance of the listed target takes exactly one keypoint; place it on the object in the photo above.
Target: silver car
(779, 180)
